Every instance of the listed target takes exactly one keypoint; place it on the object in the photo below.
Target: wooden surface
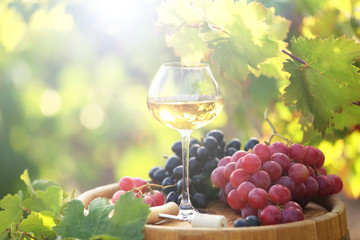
(325, 219)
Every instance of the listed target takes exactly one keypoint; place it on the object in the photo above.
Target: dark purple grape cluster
(273, 182)
(204, 157)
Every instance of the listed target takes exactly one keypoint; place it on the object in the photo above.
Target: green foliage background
(74, 77)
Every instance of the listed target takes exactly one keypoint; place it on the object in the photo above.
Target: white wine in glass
(185, 96)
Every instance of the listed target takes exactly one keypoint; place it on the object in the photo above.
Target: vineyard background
(74, 77)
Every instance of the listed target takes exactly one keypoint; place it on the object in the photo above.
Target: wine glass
(185, 96)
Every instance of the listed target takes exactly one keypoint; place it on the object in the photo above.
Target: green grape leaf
(350, 116)
(26, 179)
(127, 222)
(326, 81)
(103, 237)
(239, 37)
(40, 224)
(51, 201)
(12, 212)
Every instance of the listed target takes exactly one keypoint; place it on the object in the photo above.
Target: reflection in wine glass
(185, 96)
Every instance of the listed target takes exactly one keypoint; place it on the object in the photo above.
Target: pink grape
(263, 151)
(260, 179)
(282, 159)
(237, 155)
(239, 176)
(311, 171)
(297, 152)
(298, 172)
(251, 163)
(279, 147)
(270, 215)
(312, 155)
(322, 171)
(312, 187)
(228, 187)
(248, 210)
(243, 190)
(217, 177)
(299, 191)
(325, 187)
(239, 163)
(279, 194)
(291, 214)
(138, 182)
(222, 196)
(234, 201)
(126, 183)
(293, 204)
(336, 183)
(273, 169)
(229, 168)
(224, 161)
(149, 200)
(116, 196)
(157, 197)
(321, 160)
(287, 182)
(258, 198)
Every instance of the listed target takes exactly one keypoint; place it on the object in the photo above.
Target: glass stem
(185, 203)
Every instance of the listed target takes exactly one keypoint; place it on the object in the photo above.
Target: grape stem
(273, 130)
(294, 57)
(28, 235)
(151, 185)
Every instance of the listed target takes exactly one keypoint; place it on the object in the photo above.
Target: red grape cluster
(273, 181)
(139, 187)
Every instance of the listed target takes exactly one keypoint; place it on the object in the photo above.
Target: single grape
(234, 143)
(279, 194)
(195, 166)
(270, 215)
(299, 191)
(176, 148)
(153, 170)
(239, 163)
(240, 222)
(336, 183)
(253, 220)
(229, 168)
(172, 197)
(233, 200)
(260, 179)
(230, 151)
(239, 176)
(279, 147)
(238, 154)
(311, 171)
(292, 204)
(325, 187)
(291, 214)
(211, 143)
(312, 155)
(172, 162)
(194, 141)
(203, 154)
(321, 159)
(297, 152)
(218, 134)
(228, 188)
(116, 195)
(217, 177)
(322, 171)
(159, 175)
(248, 210)
(243, 190)
(199, 200)
(251, 144)
(138, 182)
(200, 183)
(210, 165)
(298, 172)
(193, 150)
(273, 169)
(251, 163)
(157, 197)
(263, 151)
(168, 181)
(258, 198)
(126, 183)
(287, 182)
(223, 161)
(282, 159)
(149, 200)
(178, 172)
(312, 187)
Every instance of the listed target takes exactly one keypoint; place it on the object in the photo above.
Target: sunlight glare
(50, 102)
(92, 116)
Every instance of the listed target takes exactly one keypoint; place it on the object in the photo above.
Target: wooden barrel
(324, 219)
